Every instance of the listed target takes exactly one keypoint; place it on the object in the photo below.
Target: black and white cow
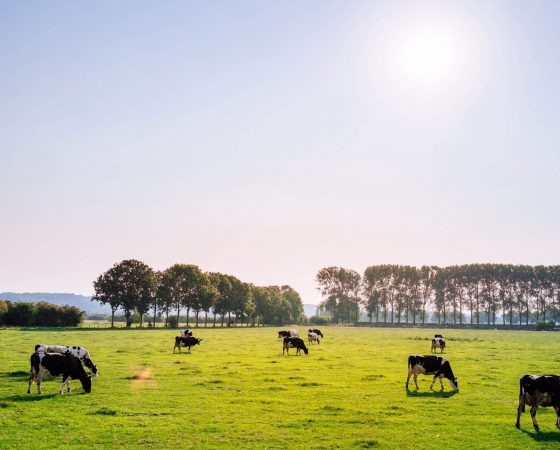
(79, 352)
(313, 338)
(185, 341)
(539, 390)
(438, 335)
(316, 331)
(438, 342)
(431, 365)
(47, 365)
(186, 332)
(283, 334)
(294, 342)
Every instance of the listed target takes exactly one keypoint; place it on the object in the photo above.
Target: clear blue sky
(270, 139)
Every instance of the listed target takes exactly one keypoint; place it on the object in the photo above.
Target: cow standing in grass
(48, 365)
(79, 352)
(539, 390)
(438, 342)
(316, 331)
(185, 341)
(431, 365)
(294, 342)
(313, 338)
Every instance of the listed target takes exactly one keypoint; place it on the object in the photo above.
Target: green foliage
(347, 393)
(42, 314)
(316, 320)
(545, 326)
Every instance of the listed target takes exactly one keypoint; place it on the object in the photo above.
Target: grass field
(237, 390)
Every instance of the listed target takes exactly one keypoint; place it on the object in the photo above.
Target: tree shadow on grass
(431, 394)
(543, 436)
(18, 374)
(28, 397)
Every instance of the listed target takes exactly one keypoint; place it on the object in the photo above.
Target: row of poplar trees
(134, 287)
(489, 293)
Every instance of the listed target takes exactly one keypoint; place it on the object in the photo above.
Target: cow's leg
(408, 377)
(68, 389)
(30, 383)
(534, 417)
(39, 390)
(520, 409)
(65, 380)
(416, 380)
(441, 382)
(557, 409)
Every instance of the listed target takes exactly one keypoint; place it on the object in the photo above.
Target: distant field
(236, 390)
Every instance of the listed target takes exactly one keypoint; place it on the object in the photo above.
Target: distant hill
(310, 310)
(81, 301)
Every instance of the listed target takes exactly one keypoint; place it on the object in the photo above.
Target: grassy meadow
(237, 390)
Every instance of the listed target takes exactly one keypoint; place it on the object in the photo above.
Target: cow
(438, 342)
(312, 338)
(294, 333)
(185, 341)
(438, 335)
(431, 365)
(283, 334)
(539, 390)
(316, 331)
(45, 365)
(79, 352)
(294, 342)
(186, 332)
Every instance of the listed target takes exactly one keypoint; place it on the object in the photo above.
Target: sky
(270, 139)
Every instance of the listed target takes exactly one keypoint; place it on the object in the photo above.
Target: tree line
(488, 293)
(41, 314)
(134, 287)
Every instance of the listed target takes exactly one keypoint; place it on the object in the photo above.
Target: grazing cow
(294, 342)
(79, 352)
(185, 341)
(186, 332)
(283, 334)
(539, 390)
(44, 365)
(312, 338)
(431, 365)
(438, 342)
(294, 333)
(316, 331)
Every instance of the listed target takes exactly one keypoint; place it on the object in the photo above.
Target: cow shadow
(543, 436)
(431, 394)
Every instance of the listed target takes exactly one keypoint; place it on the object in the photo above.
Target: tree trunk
(113, 317)
(205, 319)
(188, 312)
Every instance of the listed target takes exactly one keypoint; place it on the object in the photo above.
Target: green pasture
(236, 390)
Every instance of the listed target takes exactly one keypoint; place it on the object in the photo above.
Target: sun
(428, 56)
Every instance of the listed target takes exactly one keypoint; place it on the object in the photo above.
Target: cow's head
(455, 383)
(86, 384)
(199, 341)
(92, 367)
